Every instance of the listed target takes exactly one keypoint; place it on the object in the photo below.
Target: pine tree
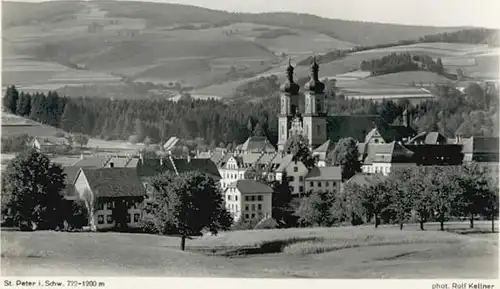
(10, 99)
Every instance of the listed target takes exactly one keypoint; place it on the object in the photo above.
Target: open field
(347, 72)
(205, 49)
(345, 252)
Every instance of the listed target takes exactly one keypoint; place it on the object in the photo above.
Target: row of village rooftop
(114, 176)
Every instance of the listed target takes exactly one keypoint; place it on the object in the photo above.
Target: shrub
(242, 224)
(268, 223)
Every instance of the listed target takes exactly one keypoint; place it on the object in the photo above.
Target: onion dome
(314, 85)
(290, 86)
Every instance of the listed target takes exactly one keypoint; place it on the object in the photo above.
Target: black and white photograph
(250, 139)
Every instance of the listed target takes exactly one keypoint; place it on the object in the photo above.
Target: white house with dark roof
(102, 189)
(384, 158)
(323, 179)
(248, 199)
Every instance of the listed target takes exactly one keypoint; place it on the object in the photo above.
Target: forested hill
(216, 122)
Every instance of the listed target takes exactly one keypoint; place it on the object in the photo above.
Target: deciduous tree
(346, 155)
(33, 186)
(187, 204)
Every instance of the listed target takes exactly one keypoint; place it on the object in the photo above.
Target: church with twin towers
(303, 112)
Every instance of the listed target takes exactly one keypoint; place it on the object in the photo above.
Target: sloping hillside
(361, 33)
(109, 43)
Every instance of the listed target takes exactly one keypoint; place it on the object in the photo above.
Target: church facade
(303, 113)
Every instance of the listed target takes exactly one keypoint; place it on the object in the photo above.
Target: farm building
(50, 145)
(108, 189)
(248, 199)
(326, 179)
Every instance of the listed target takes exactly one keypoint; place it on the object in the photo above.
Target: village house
(295, 171)
(107, 191)
(484, 151)
(49, 145)
(384, 158)
(325, 179)
(248, 199)
(321, 153)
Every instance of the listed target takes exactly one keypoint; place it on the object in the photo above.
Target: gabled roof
(325, 173)
(432, 137)
(148, 167)
(361, 179)
(257, 144)
(92, 162)
(388, 153)
(123, 162)
(223, 161)
(390, 133)
(285, 161)
(252, 187)
(50, 141)
(205, 166)
(114, 182)
(324, 148)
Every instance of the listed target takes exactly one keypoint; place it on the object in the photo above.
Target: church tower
(289, 101)
(314, 120)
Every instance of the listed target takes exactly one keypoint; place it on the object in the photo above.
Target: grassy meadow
(344, 252)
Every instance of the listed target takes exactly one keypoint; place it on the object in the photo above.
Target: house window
(291, 179)
(246, 208)
(128, 218)
(292, 189)
(295, 169)
(100, 219)
(246, 216)
(253, 216)
(259, 207)
(253, 198)
(247, 198)
(229, 197)
(311, 184)
(136, 218)
(259, 198)
(100, 206)
(236, 197)
(109, 205)
(319, 184)
(301, 178)
(109, 219)
(327, 183)
(253, 207)
(301, 189)
(334, 184)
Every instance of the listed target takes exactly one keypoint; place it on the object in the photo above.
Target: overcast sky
(415, 12)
